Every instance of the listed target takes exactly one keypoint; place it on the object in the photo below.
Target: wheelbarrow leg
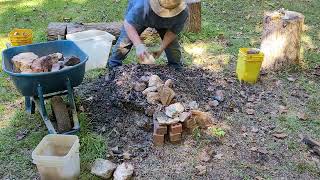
(30, 106)
(76, 124)
(43, 112)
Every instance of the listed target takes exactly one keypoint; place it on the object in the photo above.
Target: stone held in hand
(174, 110)
(166, 95)
(155, 81)
(23, 62)
(153, 97)
(103, 168)
(123, 172)
(148, 59)
(71, 61)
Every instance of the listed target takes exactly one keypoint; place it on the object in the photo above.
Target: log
(55, 30)
(61, 114)
(113, 28)
(281, 39)
(193, 23)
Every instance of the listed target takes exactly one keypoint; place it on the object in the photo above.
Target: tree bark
(193, 23)
(281, 39)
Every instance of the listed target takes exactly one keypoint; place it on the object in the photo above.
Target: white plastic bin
(97, 44)
(57, 157)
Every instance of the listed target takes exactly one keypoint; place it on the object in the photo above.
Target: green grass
(239, 23)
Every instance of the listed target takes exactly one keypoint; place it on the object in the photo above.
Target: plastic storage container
(96, 44)
(248, 65)
(19, 37)
(57, 157)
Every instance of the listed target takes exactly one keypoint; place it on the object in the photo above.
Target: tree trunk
(281, 39)
(193, 23)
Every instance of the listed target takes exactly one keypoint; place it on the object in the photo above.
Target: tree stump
(193, 23)
(281, 39)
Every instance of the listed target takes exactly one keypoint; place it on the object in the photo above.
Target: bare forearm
(169, 37)
(132, 34)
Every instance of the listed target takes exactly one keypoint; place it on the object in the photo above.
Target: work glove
(141, 51)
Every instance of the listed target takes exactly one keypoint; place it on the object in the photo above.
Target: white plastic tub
(57, 157)
(96, 44)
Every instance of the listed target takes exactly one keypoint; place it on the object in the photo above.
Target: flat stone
(103, 168)
(185, 116)
(123, 172)
(161, 117)
(219, 96)
(174, 110)
(202, 170)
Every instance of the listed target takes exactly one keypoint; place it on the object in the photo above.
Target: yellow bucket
(248, 65)
(19, 37)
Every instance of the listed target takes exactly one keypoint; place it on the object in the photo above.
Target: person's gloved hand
(141, 51)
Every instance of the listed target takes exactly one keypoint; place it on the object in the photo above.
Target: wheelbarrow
(36, 87)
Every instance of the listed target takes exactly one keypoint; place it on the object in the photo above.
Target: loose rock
(139, 86)
(202, 170)
(123, 172)
(193, 105)
(148, 90)
(23, 61)
(280, 135)
(144, 79)
(153, 97)
(169, 83)
(155, 81)
(166, 95)
(302, 116)
(174, 110)
(185, 116)
(71, 61)
(250, 111)
(219, 96)
(103, 168)
(214, 103)
(204, 156)
(161, 118)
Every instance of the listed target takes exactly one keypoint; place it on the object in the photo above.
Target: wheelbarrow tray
(51, 82)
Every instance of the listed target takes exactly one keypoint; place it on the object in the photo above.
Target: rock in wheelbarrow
(61, 114)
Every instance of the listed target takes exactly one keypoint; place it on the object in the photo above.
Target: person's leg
(173, 51)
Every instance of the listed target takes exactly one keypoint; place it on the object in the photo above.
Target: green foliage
(196, 134)
(217, 132)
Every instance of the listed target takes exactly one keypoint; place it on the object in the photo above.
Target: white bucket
(96, 44)
(57, 157)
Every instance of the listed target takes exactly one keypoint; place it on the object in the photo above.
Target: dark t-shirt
(137, 17)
